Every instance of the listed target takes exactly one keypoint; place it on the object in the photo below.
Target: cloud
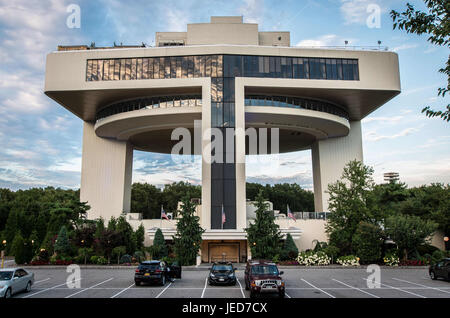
(373, 136)
(393, 119)
(252, 10)
(326, 40)
(404, 47)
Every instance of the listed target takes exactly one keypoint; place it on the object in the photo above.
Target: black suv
(155, 271)
(222, 273)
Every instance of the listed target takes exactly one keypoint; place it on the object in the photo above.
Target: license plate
(221, 279)
(147, 274)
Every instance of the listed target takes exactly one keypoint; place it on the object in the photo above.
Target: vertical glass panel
(156, 68)
(220, 66)
(145, 68)
(100, 70)
(214, 66)
(277, 66)
(202, 66)
(167, 67)
(190, 67)
(228, 89)
(179, 69)
(162, 69)
(122, 69)
(260, 66)
(208, 66)
(117, 70)
(173, 67)
(176, 102)
(217, 89)
(150, 68)
(127, 69)
(111, 69)
(89, 70)
(323, 74)
(339, 69)
(169, 102)
(94, 70)
(197, 66)
(191, 102)
(355, 70)
(133, 69)
(138, 68)
(106, 70)
(162, 103)
(184, 67)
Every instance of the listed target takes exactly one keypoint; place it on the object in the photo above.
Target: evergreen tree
(188, 238)
(140, 237)
(160, 244)
(18, 249)
(367, 242)
(290, 250)
(62, 245)
(263, 235)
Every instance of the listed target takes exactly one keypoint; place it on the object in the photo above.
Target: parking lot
(300, 283)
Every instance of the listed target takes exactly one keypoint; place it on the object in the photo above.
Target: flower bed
(413, 263)
(350, 260)
(313, 258)
(391, 260)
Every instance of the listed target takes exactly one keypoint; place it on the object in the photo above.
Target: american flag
(163, 214)
(290, 214)
(224, 219)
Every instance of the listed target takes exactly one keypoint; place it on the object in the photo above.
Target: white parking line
(163, 291)
(40, 281)
(242, 292)
(83, 290)
(114, 296)
(50, 288)
(204, 288)
(400, 289)
(318, 288)
(428, 287)
(352, 287)
(287, 295)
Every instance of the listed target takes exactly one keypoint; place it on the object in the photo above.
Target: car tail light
(158, 271)
(137, 270)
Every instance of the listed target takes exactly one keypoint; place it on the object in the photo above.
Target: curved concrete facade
(314, 98)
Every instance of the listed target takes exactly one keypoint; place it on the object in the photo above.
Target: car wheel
(8, 293)
(252, 295)
(246, 286)
(179, 275)
(433, 275)
(28, 288)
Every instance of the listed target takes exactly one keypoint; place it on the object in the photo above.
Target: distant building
(391, 177)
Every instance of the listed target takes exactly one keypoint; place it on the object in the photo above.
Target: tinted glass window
(222, 268)
(6, 275)
(150, 266)
(264, 270)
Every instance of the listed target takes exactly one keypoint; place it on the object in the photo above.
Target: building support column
(241, 213)
(329, 158)
(106, 172)
(206, 155)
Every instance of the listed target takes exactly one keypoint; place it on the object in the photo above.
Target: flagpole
(160, 221)
(221, 217)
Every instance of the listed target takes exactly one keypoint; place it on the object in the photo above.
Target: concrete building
(227, 75)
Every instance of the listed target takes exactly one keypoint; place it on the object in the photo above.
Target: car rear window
(6, 275)
(149, 266)
(264, 270)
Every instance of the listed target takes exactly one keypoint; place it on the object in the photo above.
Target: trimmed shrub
(290, 250)
(367, 242)
(102, 260)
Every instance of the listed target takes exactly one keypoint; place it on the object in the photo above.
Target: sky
(41, 142)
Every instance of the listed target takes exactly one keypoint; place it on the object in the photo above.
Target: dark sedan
(151, 272)
(440, 269)
(222, 274)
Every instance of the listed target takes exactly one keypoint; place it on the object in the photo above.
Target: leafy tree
(290, 250)
(436, 24)
(263, 235)
(85, 253)
(160, 242)
(118, 252)
(367, 242)
(107, 241)
(175, 192)
(350, 203)
(146, 199)
(188, 239)
(126, 234)
(409, 232)
(62, 244)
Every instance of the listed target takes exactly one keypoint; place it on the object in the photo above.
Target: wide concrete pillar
(106, 172)
(329, 158)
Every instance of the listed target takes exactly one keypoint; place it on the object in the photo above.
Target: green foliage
(351, 202)
(367, 242)
(118, 252)
(160, 242)
(19, 249)
(283, 194)
(263, 235)
(125, 259)
(85, 253)
(139, 237)
(62, 244)
(102, 261)
(409, 232)
(188, 239)
(290, 250)
(435, 24)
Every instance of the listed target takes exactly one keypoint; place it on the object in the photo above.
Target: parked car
(440, 269)
(263, 277)
(222, 273)
(156, 271)
(14, 280)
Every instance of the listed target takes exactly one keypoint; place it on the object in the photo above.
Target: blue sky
(40, 141)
